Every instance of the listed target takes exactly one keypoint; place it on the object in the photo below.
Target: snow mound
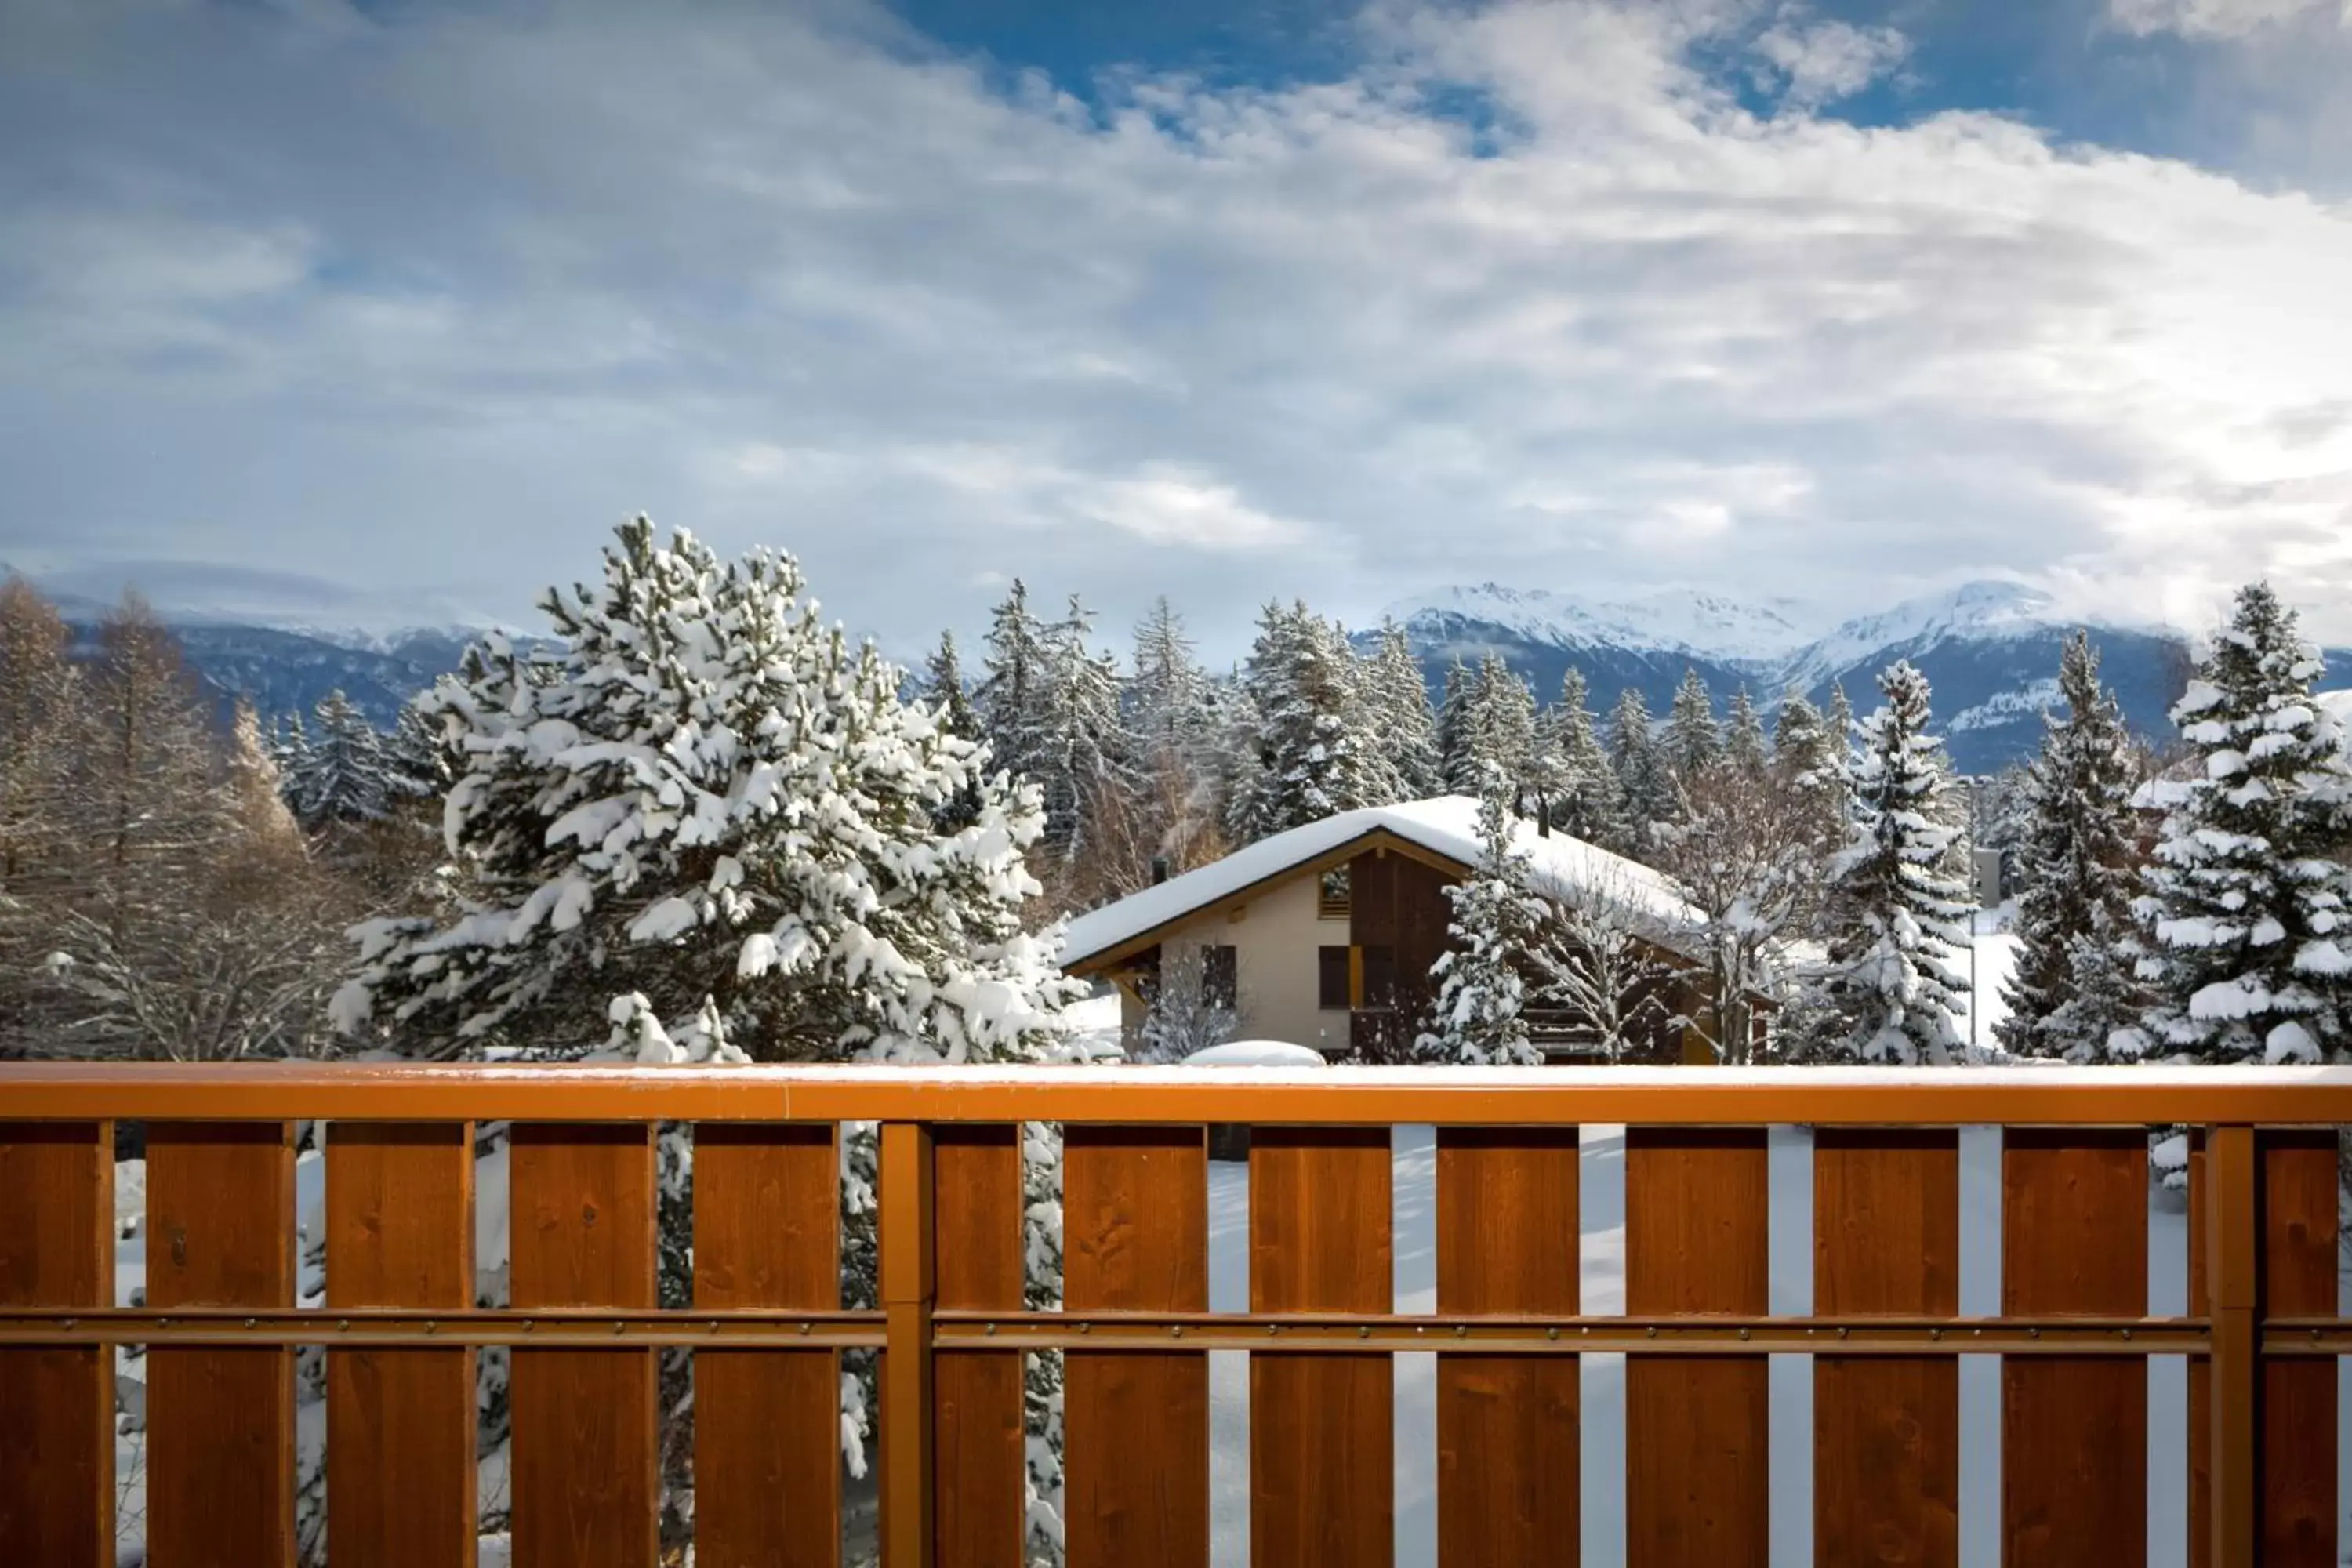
(1256, 1054)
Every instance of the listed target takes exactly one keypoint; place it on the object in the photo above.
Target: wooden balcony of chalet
(766, 1323)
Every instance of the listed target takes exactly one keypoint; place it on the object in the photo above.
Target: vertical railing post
(2232, 1226)
(909, 1289)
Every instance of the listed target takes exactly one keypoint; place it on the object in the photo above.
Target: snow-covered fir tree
(423, 765)
(1010, 697)
(1452, 726)
(1644, 783)
(706, 798)
(1743, 740)
(2248, 934)
(1892, 918)
(943, 687)
(1315, 737)
(1811, 766)
(1579, 786)
(1407, 727)
(2075, 864)
(1478, 1018)
(1691, 739)
(1082, 741)
(1498, 729)
(344, 771)
(1167, 702)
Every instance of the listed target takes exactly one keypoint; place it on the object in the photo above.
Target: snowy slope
(1704, 625)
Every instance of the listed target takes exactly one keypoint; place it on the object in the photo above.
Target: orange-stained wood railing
(768, 1327)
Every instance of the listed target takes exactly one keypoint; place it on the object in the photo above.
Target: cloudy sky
(405, 304)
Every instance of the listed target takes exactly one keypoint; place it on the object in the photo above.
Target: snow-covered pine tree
(1315, 737)
(1476, 1018)
(1010, 697)
(1453, 729)
(1579, 785)
(1888, 992)
(2075, 862)
(1644, 783)
(1407, 727)
(1167, 701)
(345, 772)
(1691, 739)
(423, 767)
(1743, 740)
(2249, 940)
(1806, 760)
(1498, 728)
(706, 796)
(1082, 744)
(943, 687)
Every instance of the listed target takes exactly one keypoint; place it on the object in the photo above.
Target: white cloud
(2219, 18)
(439, 298)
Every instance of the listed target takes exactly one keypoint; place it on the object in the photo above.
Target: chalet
(1324, 936)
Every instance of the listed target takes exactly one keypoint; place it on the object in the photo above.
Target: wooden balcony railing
(766, 1323)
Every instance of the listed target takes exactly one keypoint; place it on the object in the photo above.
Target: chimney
(1159, 869)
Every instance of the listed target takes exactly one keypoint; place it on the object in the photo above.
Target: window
(1331, 977)
(1379, 977)
(1333, 904)
(1218, 986)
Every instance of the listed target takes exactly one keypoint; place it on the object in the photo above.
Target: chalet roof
(1560, 868)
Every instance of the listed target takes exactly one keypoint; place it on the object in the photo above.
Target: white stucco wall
(1274, 971)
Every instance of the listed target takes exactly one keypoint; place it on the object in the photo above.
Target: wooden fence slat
(2297, 1435)
(57, 1249)
(400, 1422)
(1135, 1426)
(585, 1468)
(979, 1501)
(767, 1465)
(2201, 1371)
(1322, 1463)
(2074, 1430)
(1697, 1477)
(1886, 1239)
(220, 1422)
(1507, 1427)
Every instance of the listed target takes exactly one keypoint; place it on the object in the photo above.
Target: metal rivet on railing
(1935, 1333)
(163, 1323)
(2126, 1334)
(804, 1328)
(252, 1324)
(69, 1324)
(2314, 1336)
(620, 1329)
(429, 1325)
(1652, 1330)
(2033, 1333)
(342, 1325)
(1743, 1333)
(1461, 1331)
(526, 1325)
(987, 1328)
(1272, 1329)
(714, 1325)
(1551, 1334)
(1175, 1331)
(1085, 1328)
(1842, 1332)
(1362, 1332)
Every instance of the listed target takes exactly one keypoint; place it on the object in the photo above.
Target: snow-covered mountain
(1990, 649)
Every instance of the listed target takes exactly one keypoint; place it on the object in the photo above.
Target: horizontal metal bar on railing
(1174, 1095)
(1298, 1333)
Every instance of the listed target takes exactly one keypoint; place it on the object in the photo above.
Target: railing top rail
(1340, 1097)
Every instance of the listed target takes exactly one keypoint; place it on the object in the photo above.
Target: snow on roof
(1561, 867)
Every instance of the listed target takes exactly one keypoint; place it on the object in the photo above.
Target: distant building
(1325, 935)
